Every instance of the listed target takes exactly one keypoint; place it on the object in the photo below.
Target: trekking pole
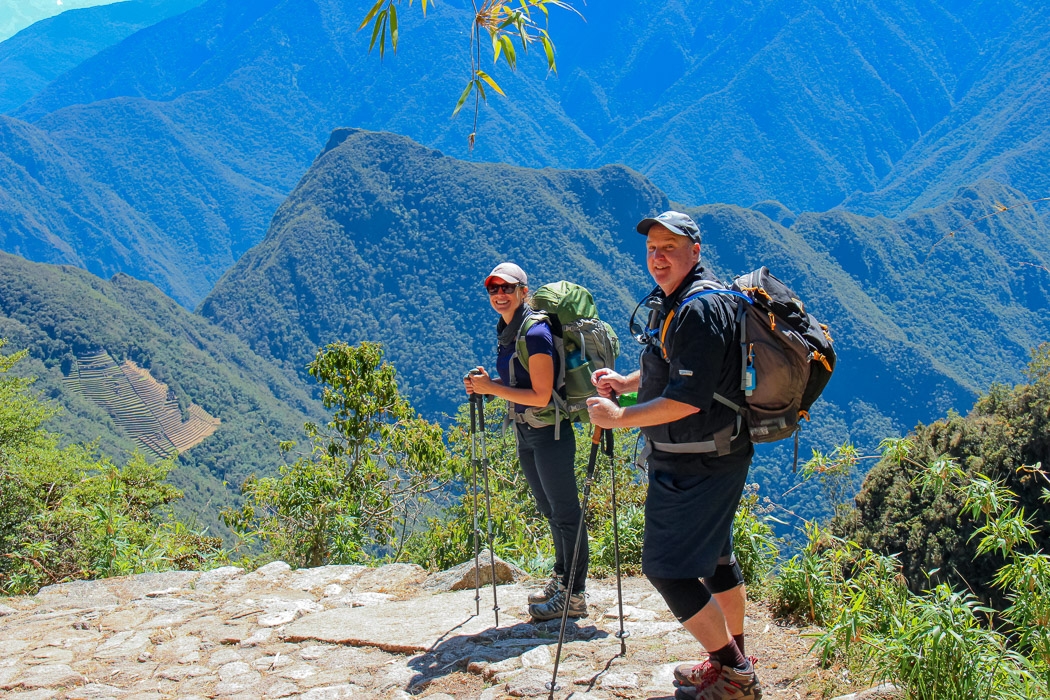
(622, 635)
(488, 500)
(591, 461)
(474, 479)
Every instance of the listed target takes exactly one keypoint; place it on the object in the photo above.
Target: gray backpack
(584, 343)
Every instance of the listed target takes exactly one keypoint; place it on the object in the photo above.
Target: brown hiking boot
(712, 681)
(547, 592)
(685, 673)
(553, 608)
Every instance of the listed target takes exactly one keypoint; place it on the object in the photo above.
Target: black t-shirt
(704, 358)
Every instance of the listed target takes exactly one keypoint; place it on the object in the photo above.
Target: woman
(547, 462)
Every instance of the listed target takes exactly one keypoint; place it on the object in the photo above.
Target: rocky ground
(355, 632)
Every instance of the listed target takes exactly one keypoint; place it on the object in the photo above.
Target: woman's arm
(541, 371)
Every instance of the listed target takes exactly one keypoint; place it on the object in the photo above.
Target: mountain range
(16, 15)
(882, 158)
(385, 239)
(185, 136)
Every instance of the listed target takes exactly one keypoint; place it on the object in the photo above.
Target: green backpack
(584, 343)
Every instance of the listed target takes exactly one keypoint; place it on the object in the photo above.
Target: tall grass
(941, 644)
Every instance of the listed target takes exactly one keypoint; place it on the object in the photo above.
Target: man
(699, 457)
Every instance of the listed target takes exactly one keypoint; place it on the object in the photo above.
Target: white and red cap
(508, 272)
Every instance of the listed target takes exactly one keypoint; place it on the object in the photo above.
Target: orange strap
(817, 357)
(803, 414)
(663, 335)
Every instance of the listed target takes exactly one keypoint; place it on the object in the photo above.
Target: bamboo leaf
(371, 14)
(375, 30)
(382, 37)
(393, 27)
(485, 76)
(497, 47)
(548, 47)
(425, 2)
(463, 98)
(481, 88)
(508, 50)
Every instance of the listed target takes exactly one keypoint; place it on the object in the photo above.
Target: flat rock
(323, 576)
(885, 691)
(392, 578)
(51, 676)
(531, 683)
(405, 626)
(461, 576)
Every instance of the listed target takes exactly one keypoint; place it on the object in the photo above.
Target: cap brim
(501, 279)
(645, 224)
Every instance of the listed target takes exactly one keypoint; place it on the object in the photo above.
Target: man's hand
(610, 383)
(604, 413)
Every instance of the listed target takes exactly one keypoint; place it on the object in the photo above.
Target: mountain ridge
(215, 113)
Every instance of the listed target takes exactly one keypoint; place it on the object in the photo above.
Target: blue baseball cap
(675, 222)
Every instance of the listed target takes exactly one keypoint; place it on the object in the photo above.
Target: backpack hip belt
(720, 444)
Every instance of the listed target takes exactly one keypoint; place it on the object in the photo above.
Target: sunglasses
(494, 289)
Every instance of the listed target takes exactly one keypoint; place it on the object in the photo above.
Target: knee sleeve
(685, 597)
(725, 578)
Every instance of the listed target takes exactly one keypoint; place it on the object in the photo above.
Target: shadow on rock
(497, 651)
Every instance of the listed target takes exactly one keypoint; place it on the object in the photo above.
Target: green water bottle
(629, 399)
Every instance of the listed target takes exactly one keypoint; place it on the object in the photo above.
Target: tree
(370, 468)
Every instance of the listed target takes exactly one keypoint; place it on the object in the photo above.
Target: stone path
(347, 632)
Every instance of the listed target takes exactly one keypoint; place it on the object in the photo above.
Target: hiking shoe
(548, 591)
(712, 681)
(553, 608)
(690, 673)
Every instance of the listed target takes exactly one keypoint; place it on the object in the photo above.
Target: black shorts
(689, 521)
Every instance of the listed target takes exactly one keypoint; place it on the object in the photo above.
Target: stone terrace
(348, 632)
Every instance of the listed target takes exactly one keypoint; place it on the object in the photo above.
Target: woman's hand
(478, 381)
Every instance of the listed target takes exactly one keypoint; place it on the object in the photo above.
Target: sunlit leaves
(509, 24)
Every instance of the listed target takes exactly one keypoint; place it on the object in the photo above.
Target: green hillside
(65, 317)
(387, 240)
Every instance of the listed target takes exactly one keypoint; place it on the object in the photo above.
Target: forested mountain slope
(388, 240)
(40, 53)
(201, 124)
(60, 313)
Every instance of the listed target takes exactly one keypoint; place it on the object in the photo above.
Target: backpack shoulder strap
(521, 351)
(698, 289)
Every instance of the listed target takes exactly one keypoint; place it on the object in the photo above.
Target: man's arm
(606, 414)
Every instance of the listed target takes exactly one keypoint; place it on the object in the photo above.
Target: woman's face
(508, 297)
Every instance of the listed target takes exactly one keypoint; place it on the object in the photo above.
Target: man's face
(669, 257)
